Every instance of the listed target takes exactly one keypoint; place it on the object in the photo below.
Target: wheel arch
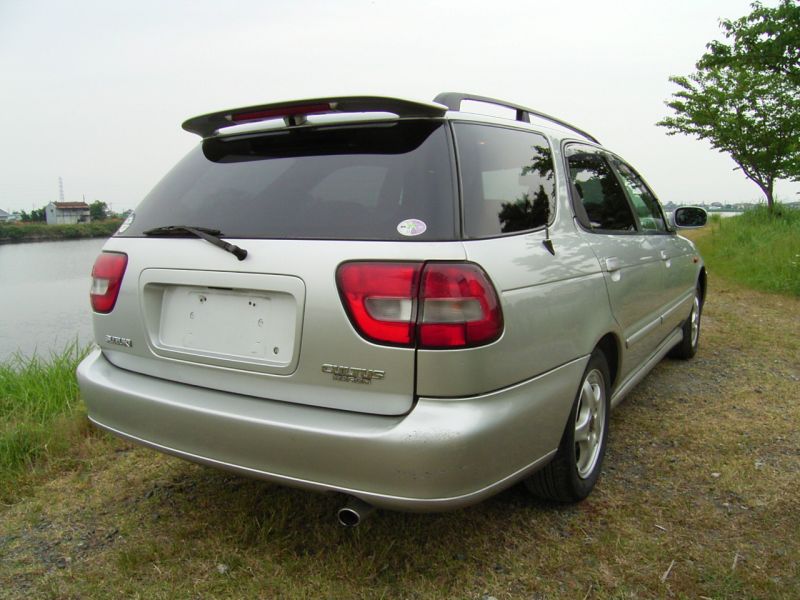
(702, 283)
(609, 344)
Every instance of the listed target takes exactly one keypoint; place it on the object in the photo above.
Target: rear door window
(599, 200)
(359, 182)
(648, 211)
(507, 179)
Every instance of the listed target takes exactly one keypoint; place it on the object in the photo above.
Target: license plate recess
(253, 328)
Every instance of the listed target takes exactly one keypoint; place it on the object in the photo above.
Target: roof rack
(295, 112)
(453, 100)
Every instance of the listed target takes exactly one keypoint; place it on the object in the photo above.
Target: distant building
(67, 213)
(4, 216)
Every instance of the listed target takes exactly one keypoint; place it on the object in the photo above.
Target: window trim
(460, 186)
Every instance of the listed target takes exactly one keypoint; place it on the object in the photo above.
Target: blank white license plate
(229, 324)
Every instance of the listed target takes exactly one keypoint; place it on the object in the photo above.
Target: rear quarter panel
(555, 309)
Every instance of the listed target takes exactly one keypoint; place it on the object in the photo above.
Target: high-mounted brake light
(289, 111)
(295, 111)
(106, 280)
(430, 305)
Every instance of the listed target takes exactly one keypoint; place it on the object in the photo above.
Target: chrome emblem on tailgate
(353, 374)
(119, 341)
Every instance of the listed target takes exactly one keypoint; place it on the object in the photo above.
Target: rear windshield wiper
(209, 235)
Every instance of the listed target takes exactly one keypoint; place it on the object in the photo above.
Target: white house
(67, 213)
(4, 216)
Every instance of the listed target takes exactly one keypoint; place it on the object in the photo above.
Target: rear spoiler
(295, 112)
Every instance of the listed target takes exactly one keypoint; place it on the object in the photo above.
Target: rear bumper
(444, 454)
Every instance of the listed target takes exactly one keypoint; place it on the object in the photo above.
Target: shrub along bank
(39, 232)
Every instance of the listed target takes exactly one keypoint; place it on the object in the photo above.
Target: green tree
(98, 210)
(768, 39)
(37, 214)
(744, 97)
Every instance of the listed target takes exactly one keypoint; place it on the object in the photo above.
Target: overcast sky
(95, 91)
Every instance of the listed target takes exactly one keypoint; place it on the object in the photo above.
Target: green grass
(39, 413)
(757, 249)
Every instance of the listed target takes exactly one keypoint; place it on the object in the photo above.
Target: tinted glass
(354, 182)
(507, 179)
(600, 194)
(644, 202)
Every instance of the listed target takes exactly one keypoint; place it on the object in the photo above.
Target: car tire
(687, 347)
(574, 470)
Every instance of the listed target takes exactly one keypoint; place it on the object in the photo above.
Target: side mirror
(689, 217)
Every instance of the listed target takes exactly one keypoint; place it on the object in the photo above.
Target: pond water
(44, 295)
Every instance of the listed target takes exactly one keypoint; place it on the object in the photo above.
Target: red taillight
(381, 299)
(459, 307)
(432, 305)
(106, 279)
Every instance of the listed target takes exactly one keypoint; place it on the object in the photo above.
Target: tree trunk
(768, 192)
(766, 184)
(766, 187)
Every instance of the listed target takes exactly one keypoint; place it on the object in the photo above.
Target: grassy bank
(40, 414)
(698, 498)
(758, 249)
(38, 232)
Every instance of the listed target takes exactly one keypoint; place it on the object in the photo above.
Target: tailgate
(272, 326)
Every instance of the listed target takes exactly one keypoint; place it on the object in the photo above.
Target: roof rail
(453, 100)
(295, 112)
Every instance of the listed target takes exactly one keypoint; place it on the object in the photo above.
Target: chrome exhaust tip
(355, 511)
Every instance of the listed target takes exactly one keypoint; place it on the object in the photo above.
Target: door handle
(612, 264)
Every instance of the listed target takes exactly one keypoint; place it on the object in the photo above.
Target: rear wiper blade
(204, 233)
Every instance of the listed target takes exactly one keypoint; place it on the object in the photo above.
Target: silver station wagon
(400, 301)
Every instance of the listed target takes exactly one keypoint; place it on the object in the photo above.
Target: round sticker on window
(411, 227)
(126, 223)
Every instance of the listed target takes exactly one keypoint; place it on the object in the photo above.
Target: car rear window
(507, 178)
(377, 181)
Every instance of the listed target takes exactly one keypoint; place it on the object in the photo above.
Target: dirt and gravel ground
(698, 500)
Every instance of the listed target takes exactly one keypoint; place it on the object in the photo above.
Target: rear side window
(507, 179)
(376, 181)
(600, 202)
